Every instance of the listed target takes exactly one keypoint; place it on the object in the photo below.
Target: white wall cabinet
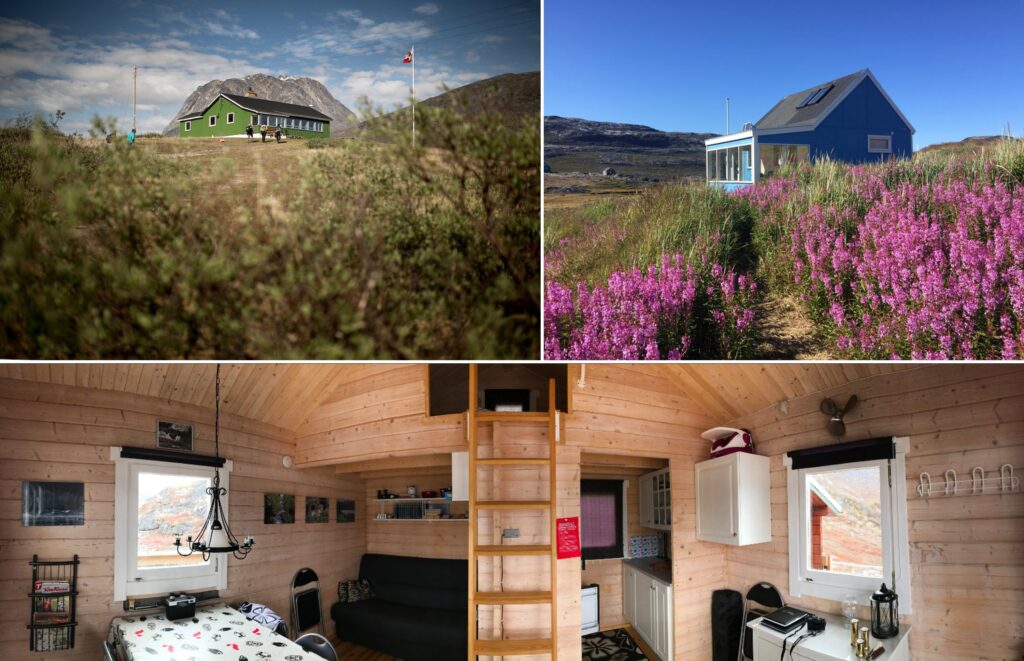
(656, 500)
(648, 605)
(460, 476)
(734, 499)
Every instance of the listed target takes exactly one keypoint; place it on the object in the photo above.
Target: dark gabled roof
(786, 114)
(258, 105)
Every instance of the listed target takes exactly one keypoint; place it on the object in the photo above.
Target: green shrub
(381, 251)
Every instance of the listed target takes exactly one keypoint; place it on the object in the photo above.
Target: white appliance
(591, 609)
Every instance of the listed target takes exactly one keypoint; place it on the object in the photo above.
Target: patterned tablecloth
(221, 634)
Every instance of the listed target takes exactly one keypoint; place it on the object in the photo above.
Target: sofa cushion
(424, 583)
(425, 626)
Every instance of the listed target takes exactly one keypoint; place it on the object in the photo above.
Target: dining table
(218, 632)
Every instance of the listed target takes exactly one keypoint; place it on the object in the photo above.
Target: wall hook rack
(976, 485)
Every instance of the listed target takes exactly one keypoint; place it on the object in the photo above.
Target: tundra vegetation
(371, 248)
(920, 258)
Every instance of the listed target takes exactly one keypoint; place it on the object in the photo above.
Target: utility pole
(727, 115)
(135, 77)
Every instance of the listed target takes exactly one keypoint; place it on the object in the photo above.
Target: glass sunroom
(740, 159)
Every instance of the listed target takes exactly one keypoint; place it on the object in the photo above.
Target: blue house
(849, 119)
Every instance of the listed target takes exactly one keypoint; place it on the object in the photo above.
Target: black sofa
(418, 612)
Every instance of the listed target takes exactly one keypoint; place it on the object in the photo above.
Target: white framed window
(154, 502)
(848, 528)
(213, 120)
(879, 144)
(231, 118)
(188, 126)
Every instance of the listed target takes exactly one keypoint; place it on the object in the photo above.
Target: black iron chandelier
(215, 536)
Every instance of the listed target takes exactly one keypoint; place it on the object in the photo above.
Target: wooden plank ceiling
(281, 394)
(730, 390)
(287, 394)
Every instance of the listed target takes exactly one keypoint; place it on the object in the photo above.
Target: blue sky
(77, 56)
(955, 69)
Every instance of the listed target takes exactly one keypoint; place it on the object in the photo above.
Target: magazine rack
(52, 605)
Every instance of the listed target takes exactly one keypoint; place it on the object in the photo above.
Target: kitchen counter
(831, 645)
(657, 568)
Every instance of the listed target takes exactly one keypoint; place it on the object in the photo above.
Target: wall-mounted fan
(836, 426)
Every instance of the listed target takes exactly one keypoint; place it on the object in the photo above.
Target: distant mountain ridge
(572, 144)
(513, 93)
(288, 89)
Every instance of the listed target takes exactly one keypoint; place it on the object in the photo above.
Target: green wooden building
(229, 114)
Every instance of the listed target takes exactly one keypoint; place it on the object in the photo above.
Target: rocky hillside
(632, 150)
(173, 511)
(303, 91)
(516, 94)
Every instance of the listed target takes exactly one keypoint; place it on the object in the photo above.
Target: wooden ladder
(511, 647)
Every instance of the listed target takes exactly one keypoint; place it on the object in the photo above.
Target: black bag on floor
(726, 613)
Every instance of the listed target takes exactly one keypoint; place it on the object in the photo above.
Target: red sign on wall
(568, 537)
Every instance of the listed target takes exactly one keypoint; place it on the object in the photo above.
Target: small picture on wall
(346, 511)
(173, 436)
(318, 510)
(278, 508)
(53, 503)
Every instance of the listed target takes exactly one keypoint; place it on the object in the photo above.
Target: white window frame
(128, 581)
(188, 126)
(804, 581)
(888, 141)
(213, 120)
(231, 118)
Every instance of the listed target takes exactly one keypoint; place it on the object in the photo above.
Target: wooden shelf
(513, 598)
(502, 416)
(513, 504)
(513, 647)
(415, 500)
(514, 549)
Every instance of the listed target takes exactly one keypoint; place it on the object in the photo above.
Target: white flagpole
(413, 51)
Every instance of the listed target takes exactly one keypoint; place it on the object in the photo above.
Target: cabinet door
(766, 650)
(646, 500)
(716, 501)
(644, 622)
(629, 593)
(663, 620)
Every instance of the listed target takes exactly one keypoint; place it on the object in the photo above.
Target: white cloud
(428, 8)
(389, 86)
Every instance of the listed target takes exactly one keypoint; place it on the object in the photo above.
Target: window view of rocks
(846, 521)
(169, 506)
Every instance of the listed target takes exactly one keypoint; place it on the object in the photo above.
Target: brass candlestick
(854, 630)
(865, 633)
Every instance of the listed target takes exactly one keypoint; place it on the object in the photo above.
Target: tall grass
(909, 258)
(380, 250)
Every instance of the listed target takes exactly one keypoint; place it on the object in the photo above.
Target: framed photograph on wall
(173, 436)
(346, 511)
(53, 503)
(318, 510)
(278, 508)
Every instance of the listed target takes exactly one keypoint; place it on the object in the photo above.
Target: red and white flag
(408, 58)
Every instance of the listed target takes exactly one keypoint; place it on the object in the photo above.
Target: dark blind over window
(601, 519)
(843, 453)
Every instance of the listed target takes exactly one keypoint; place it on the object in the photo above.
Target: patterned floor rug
(614, 645)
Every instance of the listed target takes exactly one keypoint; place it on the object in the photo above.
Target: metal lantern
(885, 616)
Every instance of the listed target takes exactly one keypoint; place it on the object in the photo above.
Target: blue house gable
(849, 119)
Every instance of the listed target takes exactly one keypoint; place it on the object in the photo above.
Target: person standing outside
(248, 132)
(263, 132)
(277, 134)
(131, 137)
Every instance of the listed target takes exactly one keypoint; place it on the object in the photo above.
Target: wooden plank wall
(58, 432)
(635, 410)
(966, 552)
(379, 413)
